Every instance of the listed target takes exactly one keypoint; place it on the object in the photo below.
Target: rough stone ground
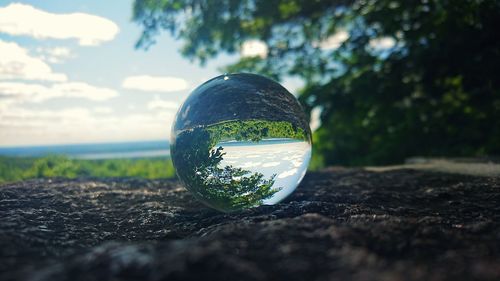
(340, 224)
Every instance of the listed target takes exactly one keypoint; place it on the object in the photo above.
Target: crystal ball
(240, 141)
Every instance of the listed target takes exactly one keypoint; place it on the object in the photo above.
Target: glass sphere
(240, 141)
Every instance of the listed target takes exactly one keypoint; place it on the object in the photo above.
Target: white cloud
(158, 103)
(332, 42)
(25, 126)
(16, 63)
(103, 110)
(382, 43)
(24, 92)
(89, 30)
(154, 83)
(55, 55)
(25, 118)
(82, 90)
(254, 48)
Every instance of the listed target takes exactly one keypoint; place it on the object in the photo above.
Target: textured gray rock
(341, 224)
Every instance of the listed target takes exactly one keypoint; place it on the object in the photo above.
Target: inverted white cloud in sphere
(288, 173)
(154, 83)
(16, 63)
(89, 30)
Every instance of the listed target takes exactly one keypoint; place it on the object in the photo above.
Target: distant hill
(93, 150)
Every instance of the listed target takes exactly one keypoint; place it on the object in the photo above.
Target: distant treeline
(254, 130)
(14, 169)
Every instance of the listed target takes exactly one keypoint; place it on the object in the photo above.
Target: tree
(225, 188)
(392, 78)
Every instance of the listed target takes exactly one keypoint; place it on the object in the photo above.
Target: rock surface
(340, 224)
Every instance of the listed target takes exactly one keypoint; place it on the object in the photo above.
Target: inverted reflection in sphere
(240, 141)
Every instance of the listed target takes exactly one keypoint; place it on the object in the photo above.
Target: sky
(69, 73)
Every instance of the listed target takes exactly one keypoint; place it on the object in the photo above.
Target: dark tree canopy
(411, 78)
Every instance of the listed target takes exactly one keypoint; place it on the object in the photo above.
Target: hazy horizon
(82, 143)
